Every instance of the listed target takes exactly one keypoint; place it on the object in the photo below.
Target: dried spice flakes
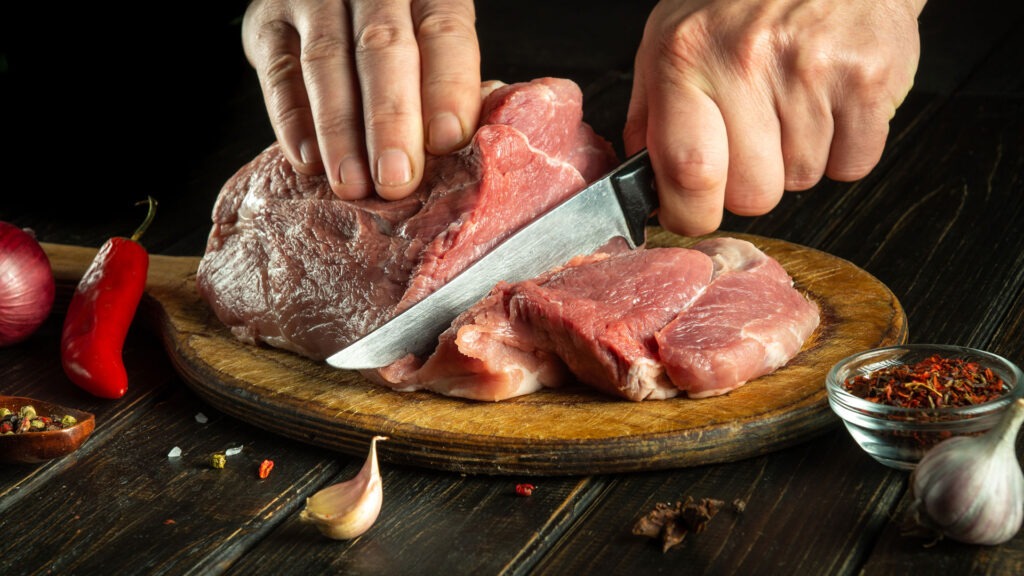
(672, 522)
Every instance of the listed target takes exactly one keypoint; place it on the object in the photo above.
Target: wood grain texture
(569, 431)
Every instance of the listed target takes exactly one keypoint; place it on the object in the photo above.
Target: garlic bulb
(348, 509)
(971, 488)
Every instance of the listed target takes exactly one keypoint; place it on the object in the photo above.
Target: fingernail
(393, 168)
(353, 171)
(444, 133)
(308, 151)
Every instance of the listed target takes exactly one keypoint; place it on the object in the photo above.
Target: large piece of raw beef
(290, 265)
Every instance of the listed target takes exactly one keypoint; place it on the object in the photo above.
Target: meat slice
(595, 317)
(642, 325)
(748, 322)
(290, 265)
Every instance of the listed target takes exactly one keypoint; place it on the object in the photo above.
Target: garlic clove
(348, 509)
(971, 488)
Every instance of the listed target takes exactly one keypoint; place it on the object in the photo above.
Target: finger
(756, 175)
(689, 150)
(861, 128)
(806, 124)
(446, 34)
(388, 63)
(329, 71)
(272, 46)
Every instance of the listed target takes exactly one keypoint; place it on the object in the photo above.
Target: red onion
(26, 284)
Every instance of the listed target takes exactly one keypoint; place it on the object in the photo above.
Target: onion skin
(26, 285)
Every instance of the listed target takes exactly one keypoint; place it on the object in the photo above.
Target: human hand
(739, 100)
(360, 88)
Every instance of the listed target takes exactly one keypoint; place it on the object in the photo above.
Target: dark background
(104, 106)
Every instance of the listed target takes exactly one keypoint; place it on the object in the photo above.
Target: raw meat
(646, 324)
(289, 264)
(748, 322)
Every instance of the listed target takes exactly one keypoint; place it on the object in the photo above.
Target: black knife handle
(634, 185)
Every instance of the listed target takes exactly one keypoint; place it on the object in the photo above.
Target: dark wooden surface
(939, 222)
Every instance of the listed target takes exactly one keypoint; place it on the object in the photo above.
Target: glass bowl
(898, 437)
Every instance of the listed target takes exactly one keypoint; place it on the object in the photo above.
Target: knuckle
(281, 70)
(752, 201)
(323, 47)
(338, 125)
(445, 24)
(694, 171)
(380, 36)
(387, 113)
(850, 171)
(686, 44)
(800, 179)
(801, 173)
(755, 49)
(813, 64)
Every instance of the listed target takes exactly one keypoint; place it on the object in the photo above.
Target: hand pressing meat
(737, 101)
(358, 89)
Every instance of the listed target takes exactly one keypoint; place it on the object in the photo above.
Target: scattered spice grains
(935, 382)
(672, 522)
(218, 460)
(265, 467)
(525, 489)
(27, 420)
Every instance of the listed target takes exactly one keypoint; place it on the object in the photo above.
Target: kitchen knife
(618, 204)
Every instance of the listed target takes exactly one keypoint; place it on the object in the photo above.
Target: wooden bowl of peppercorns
(33, 431)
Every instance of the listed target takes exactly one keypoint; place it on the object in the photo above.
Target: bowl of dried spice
(899, 401)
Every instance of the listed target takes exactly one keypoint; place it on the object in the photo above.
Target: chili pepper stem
(150, 214)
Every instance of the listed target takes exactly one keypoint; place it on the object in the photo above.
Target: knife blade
(616, 205)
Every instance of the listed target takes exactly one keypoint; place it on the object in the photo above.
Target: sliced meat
(748, 322)
(642, 325)
(596, 317)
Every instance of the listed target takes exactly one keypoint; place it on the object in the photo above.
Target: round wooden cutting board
(567, 431)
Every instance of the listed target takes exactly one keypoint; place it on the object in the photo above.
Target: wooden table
(939, 221)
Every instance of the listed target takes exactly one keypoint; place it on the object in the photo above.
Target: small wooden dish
(35, 447)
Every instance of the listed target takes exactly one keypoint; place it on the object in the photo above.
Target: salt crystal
(201, 418)
(174, 453)
(233, 450)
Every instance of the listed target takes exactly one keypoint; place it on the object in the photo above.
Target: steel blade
(580, 225)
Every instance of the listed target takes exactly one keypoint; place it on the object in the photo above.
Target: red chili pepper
(101, 311)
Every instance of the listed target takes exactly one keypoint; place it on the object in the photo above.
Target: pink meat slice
(596, 318)
(643, 325)
(749, 322)
(291, 265)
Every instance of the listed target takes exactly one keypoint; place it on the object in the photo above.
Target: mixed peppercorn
(27, 420)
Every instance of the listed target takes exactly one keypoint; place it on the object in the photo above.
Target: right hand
(360, 89)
